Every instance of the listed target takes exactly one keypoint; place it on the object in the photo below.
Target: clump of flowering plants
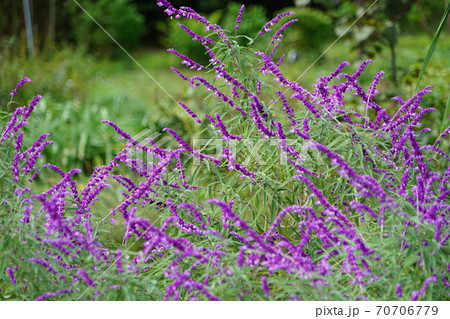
(307, 197)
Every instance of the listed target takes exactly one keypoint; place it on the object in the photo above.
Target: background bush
(120, 18)
(312, 31)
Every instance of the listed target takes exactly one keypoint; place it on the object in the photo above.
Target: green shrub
(63, 74)
(119, 18)
(310, 33)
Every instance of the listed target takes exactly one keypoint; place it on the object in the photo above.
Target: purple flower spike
(279, 34)
(265, 286)
(287, 108)
(85, 276)
(195, 36)
(268, 25)
(186, 145)
(10, 273)
(54, 294)
(18, 120)
(19, 85)
(190, 112)
(398, 290)
(29, 158)
(119, 261)
(232, 164)
(239, 17)
(181, 75)
(186, 60)
(421, 292)
(222, 128)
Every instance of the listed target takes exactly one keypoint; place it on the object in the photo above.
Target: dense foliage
(309, 194)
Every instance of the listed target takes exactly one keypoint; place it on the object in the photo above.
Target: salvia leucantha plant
(312, 194)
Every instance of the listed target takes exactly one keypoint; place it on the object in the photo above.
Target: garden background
(86, 79)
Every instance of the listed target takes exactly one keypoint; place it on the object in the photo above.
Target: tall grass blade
(433, 44)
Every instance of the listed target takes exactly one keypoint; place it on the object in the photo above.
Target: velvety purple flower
(284, 212)
(322, 81)
(190, 112)
(195, 36)
(270, 67)
(367, 184)
(187, 12)
(20, 192)
(64, 245)
(239, 17)
(29, 157)
(408, 110)
(186, 61)
(288, 109)
(279, 34)
(195, 213)
(18, 120)
(85, 276)
(421, 292)
(44, 263)
(232, 164)
(265, 286)
(118, 261)
(19, 85)
(217, 122)
(268, 25)
(435, 149)
(359, 207)
(197, 81)
(183, 280)
(443, 135)
(19, 142)
(53, 294)
(342, 219)
(328, 231)
(373, 87)
(32, 105)
(186, 145)
(181, 75)
(10, 273)
(232, 81)
(303, 95)
(26, 214)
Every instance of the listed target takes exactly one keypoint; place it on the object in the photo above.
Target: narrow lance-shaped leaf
(433, 45)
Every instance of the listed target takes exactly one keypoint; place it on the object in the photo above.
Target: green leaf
(433, 45)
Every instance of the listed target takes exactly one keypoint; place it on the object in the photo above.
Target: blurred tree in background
(120, 18)
(308, 36)
(63, 22)
(135, 22)
(379, 24)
